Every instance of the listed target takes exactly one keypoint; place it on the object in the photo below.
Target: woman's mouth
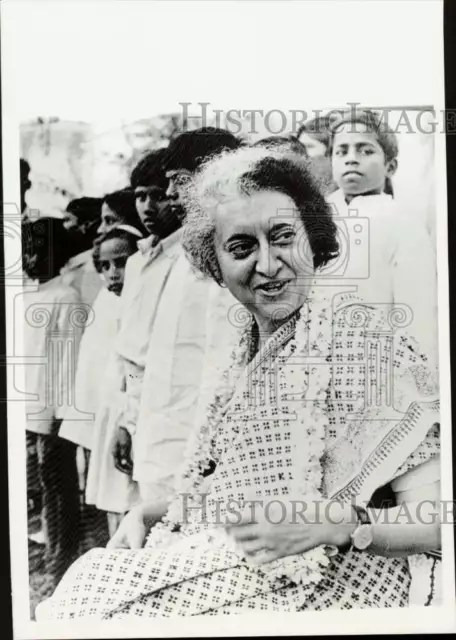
(273, 288)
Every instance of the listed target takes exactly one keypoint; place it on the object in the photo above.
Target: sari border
(388, 456)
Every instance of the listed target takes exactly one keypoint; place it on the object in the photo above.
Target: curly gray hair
(235, 174)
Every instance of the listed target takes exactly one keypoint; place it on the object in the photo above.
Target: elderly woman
(321, 407)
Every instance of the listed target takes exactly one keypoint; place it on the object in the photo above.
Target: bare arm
(410, 528)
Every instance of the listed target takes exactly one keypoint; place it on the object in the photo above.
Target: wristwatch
(362, 537)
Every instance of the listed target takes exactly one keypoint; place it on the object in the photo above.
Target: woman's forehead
(253, 209)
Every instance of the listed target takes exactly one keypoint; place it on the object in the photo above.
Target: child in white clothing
(389, 258)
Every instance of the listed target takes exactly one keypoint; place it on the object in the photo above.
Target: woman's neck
(265, 328)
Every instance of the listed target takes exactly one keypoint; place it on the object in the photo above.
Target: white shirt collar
(338, 199)
(146, 244)
(151, 244)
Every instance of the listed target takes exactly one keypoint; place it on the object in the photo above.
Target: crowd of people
(136, 302)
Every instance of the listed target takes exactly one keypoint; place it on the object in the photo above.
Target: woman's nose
(268, 262)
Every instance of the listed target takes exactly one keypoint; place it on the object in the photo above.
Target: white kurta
(191, 334)
(80, 273)
(145, 275)
(95, 350)
(390, 259)
(107, 488)
(52, 335)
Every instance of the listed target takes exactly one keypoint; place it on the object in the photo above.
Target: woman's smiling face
(264, 255)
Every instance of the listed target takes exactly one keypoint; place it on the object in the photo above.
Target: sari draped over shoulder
(361, 377)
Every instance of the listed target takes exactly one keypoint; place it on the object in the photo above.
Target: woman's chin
(276, 314)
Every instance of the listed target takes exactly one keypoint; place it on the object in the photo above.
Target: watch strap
(362, 515)
(363, 518)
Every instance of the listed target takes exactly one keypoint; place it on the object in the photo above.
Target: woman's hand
(282, 529)
(121, 451)
(134, 528)
(131, 533)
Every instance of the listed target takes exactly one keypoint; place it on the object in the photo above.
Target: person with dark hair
(150, 184)
(86, 217)
(315, 135)
(149, 171)
(45, 248)
(119, 208)
(144, 279)
(81, 220)
(287, 431)
(53, 316)
(165, 307)
(25, 182)
(363, 142)
(106, 489)
(380, 261)
(83, 215)
(111, 251)
(187, 152)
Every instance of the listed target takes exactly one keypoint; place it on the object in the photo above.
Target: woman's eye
(368, 152)
(240, 250)
(104, 266)
(284, 237)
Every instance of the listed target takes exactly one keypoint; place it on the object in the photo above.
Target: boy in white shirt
(388, 252)
(166, 377)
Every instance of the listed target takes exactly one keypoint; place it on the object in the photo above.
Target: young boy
(364, 157)
(397, 264)
(167, 375)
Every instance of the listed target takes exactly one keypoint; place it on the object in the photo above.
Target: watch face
(362, 537)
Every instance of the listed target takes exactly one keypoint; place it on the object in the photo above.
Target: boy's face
(178, 180)
(358, 161)
(156, 211)
(151, 205)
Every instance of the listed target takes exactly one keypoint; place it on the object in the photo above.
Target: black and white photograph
(226, 284)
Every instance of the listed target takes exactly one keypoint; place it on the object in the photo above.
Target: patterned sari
(381, 406)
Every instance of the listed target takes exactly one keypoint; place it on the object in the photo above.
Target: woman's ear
(391, 167)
